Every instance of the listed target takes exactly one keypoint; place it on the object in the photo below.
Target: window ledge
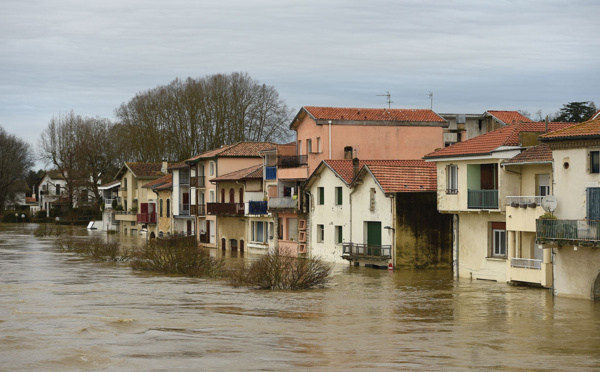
(496, 258)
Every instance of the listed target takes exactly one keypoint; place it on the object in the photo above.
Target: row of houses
(389, 188)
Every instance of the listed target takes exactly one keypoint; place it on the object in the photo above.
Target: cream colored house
(138, 203)
(574, 238)
(474, 187)
(165, 222)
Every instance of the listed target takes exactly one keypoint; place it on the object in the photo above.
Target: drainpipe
(329, 139)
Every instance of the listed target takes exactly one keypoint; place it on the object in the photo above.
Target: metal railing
(526, 263)
(482, 199)
(197, 181)
(568, 230)
(197, 210)
(108, 203)
(146, 218)
(524, 201)
(283, 203)
(184, 178)
(257, 207)
(291, 161)
(184, 209)
(366, 250)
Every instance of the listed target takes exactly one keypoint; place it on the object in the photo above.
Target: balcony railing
(198, 210)
(482, 199)
(225, 208)
(197, 181)
(184, 178)
(257, 207)
(184, 209)
(270, 173)
(291, 161)
(283, 203)
(146, 217)
(353, 250)
(568, 230)
(524, 201)
(109, 202)
(526, 263)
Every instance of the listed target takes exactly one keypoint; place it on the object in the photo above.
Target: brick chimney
(355, 167)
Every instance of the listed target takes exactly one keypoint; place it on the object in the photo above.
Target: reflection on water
(61, 312)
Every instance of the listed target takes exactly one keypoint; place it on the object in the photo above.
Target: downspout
(329, 139)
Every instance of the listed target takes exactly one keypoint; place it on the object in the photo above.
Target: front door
(374, 238)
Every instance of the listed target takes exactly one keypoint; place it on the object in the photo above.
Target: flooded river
(61, 312)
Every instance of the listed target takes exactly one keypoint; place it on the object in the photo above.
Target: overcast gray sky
(91, 56)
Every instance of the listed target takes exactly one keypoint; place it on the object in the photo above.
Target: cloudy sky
(92, 56)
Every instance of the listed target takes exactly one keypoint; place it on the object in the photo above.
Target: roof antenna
(389, 98)
(431, 99)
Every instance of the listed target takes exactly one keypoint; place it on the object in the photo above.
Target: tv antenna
(388, 100)
(431, 98)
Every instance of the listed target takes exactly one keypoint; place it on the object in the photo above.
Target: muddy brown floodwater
(61, 312)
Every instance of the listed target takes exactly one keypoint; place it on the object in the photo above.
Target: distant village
(493, 196)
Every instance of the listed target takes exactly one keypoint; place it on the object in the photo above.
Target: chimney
(165, 165)
(355, 167)
(348, 152)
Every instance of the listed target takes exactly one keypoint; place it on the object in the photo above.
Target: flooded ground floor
(61, 312)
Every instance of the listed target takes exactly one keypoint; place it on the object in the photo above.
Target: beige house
(138, 203)
(163, 189)
(574, 238)
(473, 185)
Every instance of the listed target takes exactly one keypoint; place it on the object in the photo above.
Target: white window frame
(452, 179)
(499, 236)
(320, 233)
(211, 168)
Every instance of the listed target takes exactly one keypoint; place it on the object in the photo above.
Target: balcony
(109, 202)
(184, 178)
(524, 201)
(184, 209)
(270, 173)
(353, 251)
(292, 161)
(283, 203)
(198, 210)
(482, 199)
(233, 209)
(197, 181)
(257, 207)
(533, 271)
(526, 263)
(568, 232)
(146, 218)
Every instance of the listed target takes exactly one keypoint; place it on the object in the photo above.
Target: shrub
(48, 230)
(95, 248)
(179, 257)
(547, 216)
(278, 271)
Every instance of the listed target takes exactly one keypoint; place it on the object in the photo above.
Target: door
(241, 246)
(489, 177)
(231, 196)
(374, 238)
(234, 245)
(186, 201)
(223, 244)
(189, 227)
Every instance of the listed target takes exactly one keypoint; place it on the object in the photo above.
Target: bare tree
(16, 159)
(191, 116)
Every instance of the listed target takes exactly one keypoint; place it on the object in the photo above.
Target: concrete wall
(575, 271)
(423, 235)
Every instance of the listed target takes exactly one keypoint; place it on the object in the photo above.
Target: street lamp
(23, 217)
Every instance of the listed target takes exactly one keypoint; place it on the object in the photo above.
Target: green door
(374, 238)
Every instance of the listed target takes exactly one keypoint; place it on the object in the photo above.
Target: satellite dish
(549, 203)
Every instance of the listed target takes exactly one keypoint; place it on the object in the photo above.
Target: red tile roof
(508, 117)
(163, 183)
(590, 128)
(412, 178)
(488, 142)
(180, 165)
(240, 149)
(344, 168)
(374, 116)
(536, 154)
(253, 172)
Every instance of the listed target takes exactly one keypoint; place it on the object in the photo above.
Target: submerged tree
(16, 159)
(188, 117)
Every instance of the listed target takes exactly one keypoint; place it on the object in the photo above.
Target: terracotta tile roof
(109, 185)
(180, 165)
(536, 154)
(508, 117)
(164, 182)
(55, 175)
(240, 149)
(387, 116)
(30, 200)
(253, 172)
(141, 170)
(404, 178)
(345, 170)
(488, 142)
(590, 128)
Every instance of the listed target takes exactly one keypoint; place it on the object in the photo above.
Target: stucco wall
(423, 235)
(474, 247)
(231, 228)
(575, 271)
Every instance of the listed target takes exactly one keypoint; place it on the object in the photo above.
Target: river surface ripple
(61, 312)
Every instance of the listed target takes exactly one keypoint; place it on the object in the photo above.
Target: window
(338, 235)
(57, 189)
(320, 233)
(160, 208)
(338, 196)
(595, 162)
(211, 168)
(543, 184)
(231, 196)
(211, 196)
(372, 199)
(319, 148)
(299, 147)
(452, 182)
(499, 243)
(321, 195)
(168, 208)
(271, 229)
(259, 233)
